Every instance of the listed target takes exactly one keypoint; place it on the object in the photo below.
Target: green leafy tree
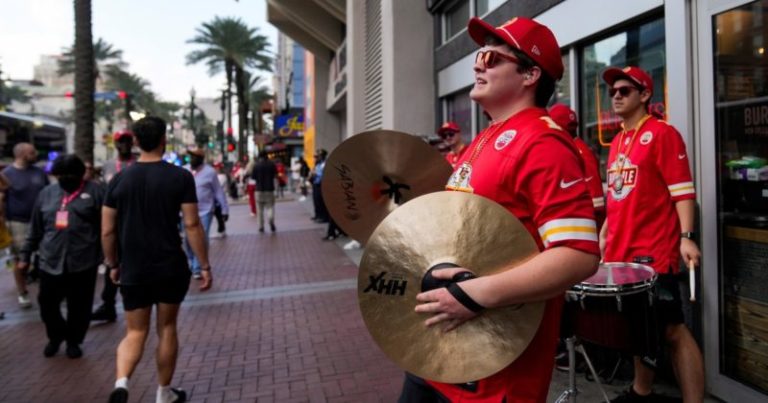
(229, 45)
(105, 57)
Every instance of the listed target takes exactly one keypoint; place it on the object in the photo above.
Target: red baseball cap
(528, 36)
(448, 127)
(122, 133)
(565, 117)
(631, 73)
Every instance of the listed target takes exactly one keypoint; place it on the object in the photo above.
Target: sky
(151, 33)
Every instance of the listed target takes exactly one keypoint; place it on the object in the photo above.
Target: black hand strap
(464, 298)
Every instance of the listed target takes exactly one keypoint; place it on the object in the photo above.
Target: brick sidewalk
(280, 325)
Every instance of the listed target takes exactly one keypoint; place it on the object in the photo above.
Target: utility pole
(192, 110)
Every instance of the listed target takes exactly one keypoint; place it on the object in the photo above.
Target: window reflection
(741, 116)
(459, 110)
(641, 45)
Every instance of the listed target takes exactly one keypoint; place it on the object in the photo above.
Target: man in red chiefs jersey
(566, 118)
(451, 135)
(650, 207)
(530, 166)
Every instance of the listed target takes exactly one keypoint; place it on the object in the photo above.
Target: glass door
(733, 116)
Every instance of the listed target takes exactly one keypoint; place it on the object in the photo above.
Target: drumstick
(692, 279)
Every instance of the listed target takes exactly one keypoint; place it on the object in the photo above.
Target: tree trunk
(242, 114)
(229, 67)
(85, 78)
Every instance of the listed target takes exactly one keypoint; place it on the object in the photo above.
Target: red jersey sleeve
(592, 174)
(672, 160)
(552, 178)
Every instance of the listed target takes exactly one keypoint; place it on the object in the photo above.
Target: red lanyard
(67, 199)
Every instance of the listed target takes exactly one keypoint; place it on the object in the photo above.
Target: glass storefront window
(459, 109)
(455, 19)
(741, 140)
(641, 45)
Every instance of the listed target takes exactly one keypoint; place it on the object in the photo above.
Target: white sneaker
(24, 301)
(352, 245)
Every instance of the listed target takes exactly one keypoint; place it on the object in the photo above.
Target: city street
(281, 324)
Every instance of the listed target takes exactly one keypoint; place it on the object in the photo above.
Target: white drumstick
(692, 279)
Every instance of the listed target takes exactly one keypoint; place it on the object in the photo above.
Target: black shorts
(669, 304)
(167, 291)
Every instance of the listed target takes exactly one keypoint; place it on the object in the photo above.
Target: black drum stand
(569, 395)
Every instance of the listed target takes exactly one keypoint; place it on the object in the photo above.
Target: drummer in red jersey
(566, 118)
(451, 135)
(530, 166)
(650, 217)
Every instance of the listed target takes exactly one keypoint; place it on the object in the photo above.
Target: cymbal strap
(464, 298)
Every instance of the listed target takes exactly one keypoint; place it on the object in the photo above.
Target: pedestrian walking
(142, 250)
(65, 230)
(281, 178)
(265, 175)
(316, 177)
(218, 212)
(650, 220)
(24, 183)
(123, 141)
(526, 163)
(209, 193)
(250, 185)
(304, 178)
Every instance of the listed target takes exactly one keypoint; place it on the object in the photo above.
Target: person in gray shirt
(65, 230)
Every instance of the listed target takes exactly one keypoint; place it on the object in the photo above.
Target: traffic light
(211, 145)
(230, 147)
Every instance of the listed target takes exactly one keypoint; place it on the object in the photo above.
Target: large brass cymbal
(445, 227)
(371, 173)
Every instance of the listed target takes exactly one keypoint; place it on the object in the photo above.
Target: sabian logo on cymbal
(391, 286)
(347, 185)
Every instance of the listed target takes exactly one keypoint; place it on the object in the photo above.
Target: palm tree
(257, 94)
(85, 80)
(229, 45)
(105, 57)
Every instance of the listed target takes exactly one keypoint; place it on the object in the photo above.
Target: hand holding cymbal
(452, 228)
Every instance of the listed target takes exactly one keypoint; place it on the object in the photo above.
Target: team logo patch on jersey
(646, 138)
(85, 196)
(622, 179)
(504, 139)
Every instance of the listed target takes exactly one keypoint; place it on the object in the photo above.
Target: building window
(641, 45)
(562, 94)
(455, 19)
(483, 7)
(458, 108)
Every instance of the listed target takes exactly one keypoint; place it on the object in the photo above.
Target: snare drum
(615, 308)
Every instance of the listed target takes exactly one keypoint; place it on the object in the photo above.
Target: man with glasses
(451, 135)
(650, 217)
(529, 165)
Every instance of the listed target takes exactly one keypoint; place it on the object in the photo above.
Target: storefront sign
(289, 125)
(745, 121)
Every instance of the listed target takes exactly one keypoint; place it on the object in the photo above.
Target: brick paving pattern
(280, 346)
(281, 324)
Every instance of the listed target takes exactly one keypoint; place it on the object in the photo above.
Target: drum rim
(613, 290)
